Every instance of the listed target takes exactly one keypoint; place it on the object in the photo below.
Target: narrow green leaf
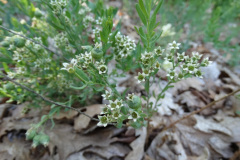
(81, 75)
(79, 88)
(141, 15)
(149, 5)
(142, 7)
(99, 89)
(157, 8)
(5, 66)
(152, 23)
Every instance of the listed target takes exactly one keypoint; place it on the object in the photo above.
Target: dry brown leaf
(113, 150)
(9, 124)
(3, 108)
(81, 122)
(67, 142)
(233, 76)
(166, 146)
(65, 114)
(208, 126)
(16, 149)
(138, 145)
(185, 84)
(190, 100)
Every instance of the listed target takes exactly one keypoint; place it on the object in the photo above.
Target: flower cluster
(61, 40)
(85, 59)
(183, 65)
(87, 20)
(167, 30)
(60, 82)
(150, 64)
(118, 110)
(58, 5)
(124, 46)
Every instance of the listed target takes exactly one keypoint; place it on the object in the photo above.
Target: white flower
(171, 74)
(104, 110)
(180, 76)
(116, 115)
(174, 45)
(99, 21)
(146, 72)
(157, 65)
(103, 121)
(130, 96)
(181, 56)
(198, 74)
(140, 77)
(196, 55)
(113, 105)
(133, 115)
(119, 103)
(192, 68)
(107, 95)
(206, 62)
(159, 51)
(169, 57)
(69, 66)
(102, 69)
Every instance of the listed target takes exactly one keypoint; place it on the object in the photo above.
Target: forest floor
(214, 133)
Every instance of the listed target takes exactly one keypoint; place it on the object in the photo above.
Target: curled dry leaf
(81, 122)
(67, 142)
(138, 145)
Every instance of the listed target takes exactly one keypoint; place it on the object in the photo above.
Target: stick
(200, 110)
(30, 40)
(46, 99)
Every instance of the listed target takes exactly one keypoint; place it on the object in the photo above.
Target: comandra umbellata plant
(67, 59)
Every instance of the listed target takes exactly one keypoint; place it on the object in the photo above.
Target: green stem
(163, 90)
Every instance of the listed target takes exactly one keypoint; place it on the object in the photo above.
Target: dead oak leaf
(81, 122)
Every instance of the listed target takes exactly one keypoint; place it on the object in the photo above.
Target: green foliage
(81, 42)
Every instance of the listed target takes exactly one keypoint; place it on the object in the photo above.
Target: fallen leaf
(138, 145)
(81, 122)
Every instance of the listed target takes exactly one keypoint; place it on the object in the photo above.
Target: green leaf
(119, 124)
(147, 85)
(124, 110)
(79, 88)
(5, 66)
(98, 89)
(141, 15)
(149, 5)
(142, 7)
(157, 8)
(81, 75)
(152, 24)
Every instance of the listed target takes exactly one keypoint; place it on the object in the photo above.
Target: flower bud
(30, 134)
(97, 54)
(135, 103)
(38, 13)
(36, 141)
(5, 44)
(19, 42)
(1, 21)
(44, 140)
(9, 86)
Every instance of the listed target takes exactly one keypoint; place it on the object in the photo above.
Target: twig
(200, 110)
(44, 98)
(31, 41)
